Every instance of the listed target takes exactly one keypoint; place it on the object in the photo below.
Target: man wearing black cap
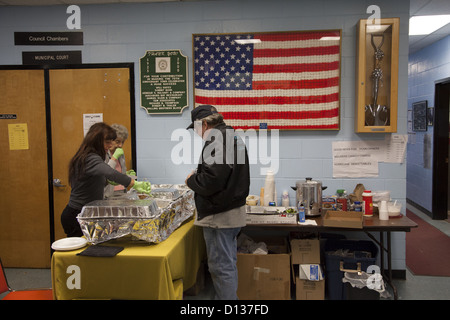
(221, 185)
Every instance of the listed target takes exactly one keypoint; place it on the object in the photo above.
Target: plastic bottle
(341, 201)
(358, 206)
(285, 199)
(269, 188)
(367, 203)
(301, 212)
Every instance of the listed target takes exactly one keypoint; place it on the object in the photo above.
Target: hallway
(425, 287)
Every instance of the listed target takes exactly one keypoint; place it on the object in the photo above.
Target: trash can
(356, 286)
(346, 255)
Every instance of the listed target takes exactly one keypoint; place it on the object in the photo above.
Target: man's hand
(189, 175)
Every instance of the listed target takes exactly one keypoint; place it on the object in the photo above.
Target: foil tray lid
(167, 193)
(151, 220)
(120, 208)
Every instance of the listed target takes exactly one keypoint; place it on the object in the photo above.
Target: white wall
(123, 33)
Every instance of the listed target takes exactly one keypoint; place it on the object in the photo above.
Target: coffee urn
(309, 193)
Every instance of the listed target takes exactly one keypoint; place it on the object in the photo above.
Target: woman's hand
(117, 154)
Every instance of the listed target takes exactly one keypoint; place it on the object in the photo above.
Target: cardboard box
(265, 277)
(305, 251)
(309, 290)
(343, 219)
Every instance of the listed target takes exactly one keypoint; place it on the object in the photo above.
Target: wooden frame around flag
(270, 80)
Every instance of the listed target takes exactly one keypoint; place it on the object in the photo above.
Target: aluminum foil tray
(151, 220)
(167, 193)
(181, 187)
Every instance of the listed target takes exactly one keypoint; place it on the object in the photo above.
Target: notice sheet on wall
(89, 119)
(18, 136)
(356, 159)
(396, 148)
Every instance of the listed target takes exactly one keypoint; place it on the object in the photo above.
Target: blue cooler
(361, 252)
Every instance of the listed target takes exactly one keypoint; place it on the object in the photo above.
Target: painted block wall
(123, 33)
(425, 67)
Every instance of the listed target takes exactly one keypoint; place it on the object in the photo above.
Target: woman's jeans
(221, 248)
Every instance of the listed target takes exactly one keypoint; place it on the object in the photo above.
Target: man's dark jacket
(222, 180)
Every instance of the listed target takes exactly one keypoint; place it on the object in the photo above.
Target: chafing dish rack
(152, 220)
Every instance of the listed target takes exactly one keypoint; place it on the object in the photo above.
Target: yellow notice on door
(18, 136)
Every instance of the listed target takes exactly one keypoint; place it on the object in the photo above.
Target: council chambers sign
(48, 38)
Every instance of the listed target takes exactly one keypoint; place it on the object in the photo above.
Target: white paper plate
(70, 243)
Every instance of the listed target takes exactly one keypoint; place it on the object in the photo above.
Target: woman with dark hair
(88, 173)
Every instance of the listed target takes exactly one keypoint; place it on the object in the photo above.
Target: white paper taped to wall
(395, 148)
(89, 119)
(356, 159)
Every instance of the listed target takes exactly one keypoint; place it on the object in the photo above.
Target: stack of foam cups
(383, 211)
(269, 188)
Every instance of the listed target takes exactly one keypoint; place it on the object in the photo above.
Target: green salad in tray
(290, 210)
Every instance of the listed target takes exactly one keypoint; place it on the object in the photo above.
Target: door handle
(57, 183)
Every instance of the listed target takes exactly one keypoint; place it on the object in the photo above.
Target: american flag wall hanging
(276, 80)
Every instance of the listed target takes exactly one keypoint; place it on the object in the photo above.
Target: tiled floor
(413, 288)
(425, 287)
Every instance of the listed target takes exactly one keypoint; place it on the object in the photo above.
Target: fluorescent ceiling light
(247, 41)
(421, 25)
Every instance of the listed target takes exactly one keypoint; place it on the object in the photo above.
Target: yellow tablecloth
(141, 271)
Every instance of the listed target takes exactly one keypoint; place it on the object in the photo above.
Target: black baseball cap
(201, 112)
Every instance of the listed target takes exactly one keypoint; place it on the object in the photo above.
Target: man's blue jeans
(221, 248)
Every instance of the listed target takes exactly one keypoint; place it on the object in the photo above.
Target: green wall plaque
(164, 81)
